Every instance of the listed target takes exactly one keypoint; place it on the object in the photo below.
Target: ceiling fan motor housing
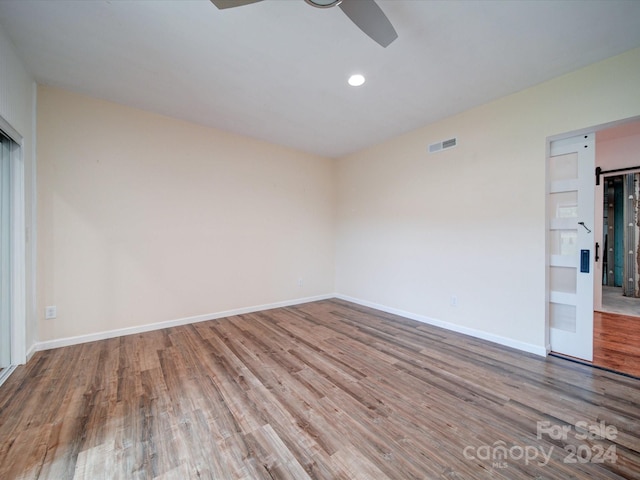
(324, 3)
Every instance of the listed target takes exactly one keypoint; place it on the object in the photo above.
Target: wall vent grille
(443, 145)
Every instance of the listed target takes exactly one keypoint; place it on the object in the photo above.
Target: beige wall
(144, 219)
(17, 100)
(415, 229)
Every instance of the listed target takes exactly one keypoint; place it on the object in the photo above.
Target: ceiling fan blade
(368, 16)
(222, 4)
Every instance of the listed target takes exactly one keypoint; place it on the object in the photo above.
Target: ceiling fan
(366, 14)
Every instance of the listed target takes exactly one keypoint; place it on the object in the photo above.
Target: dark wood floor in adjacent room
(326, 390)
(616, 342)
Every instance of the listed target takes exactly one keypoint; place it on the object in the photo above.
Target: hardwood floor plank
(28, 449)
(356, 466)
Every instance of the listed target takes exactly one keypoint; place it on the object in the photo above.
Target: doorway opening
(12, 251)
(616, 332)
(7, 263)
(611, 313)
(621, 234)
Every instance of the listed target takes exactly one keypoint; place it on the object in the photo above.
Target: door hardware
(585, 227)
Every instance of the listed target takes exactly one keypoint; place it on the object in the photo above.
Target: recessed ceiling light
(356, 80)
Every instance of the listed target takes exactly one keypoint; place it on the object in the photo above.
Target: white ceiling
(277, 70)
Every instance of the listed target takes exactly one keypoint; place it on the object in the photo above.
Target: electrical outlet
(300, 283)
(454, 301)
(50, 312)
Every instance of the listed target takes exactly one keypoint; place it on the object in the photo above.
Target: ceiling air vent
(443, 145)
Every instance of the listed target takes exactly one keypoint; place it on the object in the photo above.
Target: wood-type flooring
(616, 342)
(323, 390)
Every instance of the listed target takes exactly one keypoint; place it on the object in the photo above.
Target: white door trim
(18, 246)
(18, 271)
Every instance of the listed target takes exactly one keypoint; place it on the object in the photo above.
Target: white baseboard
(92, 337)
(508, 342)
(64, 342)
(32, 350)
